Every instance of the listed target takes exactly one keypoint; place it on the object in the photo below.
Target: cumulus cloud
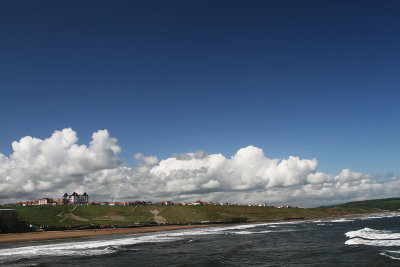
(55, 165)
(37, 166)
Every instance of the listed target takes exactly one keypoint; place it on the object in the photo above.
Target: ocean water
(364, 241)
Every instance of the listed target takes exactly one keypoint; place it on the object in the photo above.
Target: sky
(242, 101)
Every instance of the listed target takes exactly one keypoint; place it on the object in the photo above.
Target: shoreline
(67, 234)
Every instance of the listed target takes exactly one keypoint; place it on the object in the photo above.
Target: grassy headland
(69, 215)
(120, 215)
(386, 204)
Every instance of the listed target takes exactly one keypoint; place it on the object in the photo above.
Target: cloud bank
(50, 167)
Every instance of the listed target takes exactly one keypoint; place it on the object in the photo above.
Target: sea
(372, 240)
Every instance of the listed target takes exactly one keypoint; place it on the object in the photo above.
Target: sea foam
(101, 247)
(380, 216)
(372, 234)
(376, 238)
(81, 248)
(376, 243)
(394, 255)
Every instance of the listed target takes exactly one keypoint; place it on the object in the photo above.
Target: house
(25, 203)
(76, 199)
(283, 207)
(197, 203)
(60, 201)
(45, 201)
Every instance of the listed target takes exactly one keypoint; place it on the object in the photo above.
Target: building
(60, 201)
(76, 199)
(8, 218)
(46, 201)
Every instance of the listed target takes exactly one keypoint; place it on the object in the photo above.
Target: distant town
(83, 199)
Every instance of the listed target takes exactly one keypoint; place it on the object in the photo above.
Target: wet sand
(48, 235)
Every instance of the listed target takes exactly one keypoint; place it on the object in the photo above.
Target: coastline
(52, 235)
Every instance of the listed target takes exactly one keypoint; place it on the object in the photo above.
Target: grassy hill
(64, 216)
(390, 204)
(123, 215)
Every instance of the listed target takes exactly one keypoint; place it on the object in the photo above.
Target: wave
(372, 237)
(81, 248)
(243, 233)
(376, 243)
(376, 238)
(277, 224)
(390, 254)
(380, 216)
(101, 247)
(329, 221)
(368, 233)
(259, 232)
(340, 220)
(212, 230)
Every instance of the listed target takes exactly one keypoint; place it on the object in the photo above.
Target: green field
(121, 215)
(390, 204)
(64, 216)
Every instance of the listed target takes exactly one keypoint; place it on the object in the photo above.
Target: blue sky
(314, 79)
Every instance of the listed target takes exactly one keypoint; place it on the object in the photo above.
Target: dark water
(367, 241)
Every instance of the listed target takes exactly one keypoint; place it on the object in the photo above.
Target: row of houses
(73, 199)
(49, 201)
(83, 199)
(170, 203)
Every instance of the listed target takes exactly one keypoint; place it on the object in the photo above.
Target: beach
(49, 235)
(336, 241)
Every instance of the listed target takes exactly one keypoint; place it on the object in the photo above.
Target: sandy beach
(48, 235)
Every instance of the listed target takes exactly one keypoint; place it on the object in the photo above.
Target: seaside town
(9, 216)
(83, 199)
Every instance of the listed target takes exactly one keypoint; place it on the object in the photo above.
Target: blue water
(370, 240)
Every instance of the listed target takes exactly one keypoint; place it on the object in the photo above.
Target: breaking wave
(380, 216)
(376, 238)
(376, 243)
(102, 247)
(80, 248)
(368, 233)
(394, 255)
(336, 220)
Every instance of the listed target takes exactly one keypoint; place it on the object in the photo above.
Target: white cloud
(346, 175)
(319, 178)
(55, 165)
(38, 166)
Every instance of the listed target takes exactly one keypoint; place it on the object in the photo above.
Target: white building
(45, 201)
(76, 199)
